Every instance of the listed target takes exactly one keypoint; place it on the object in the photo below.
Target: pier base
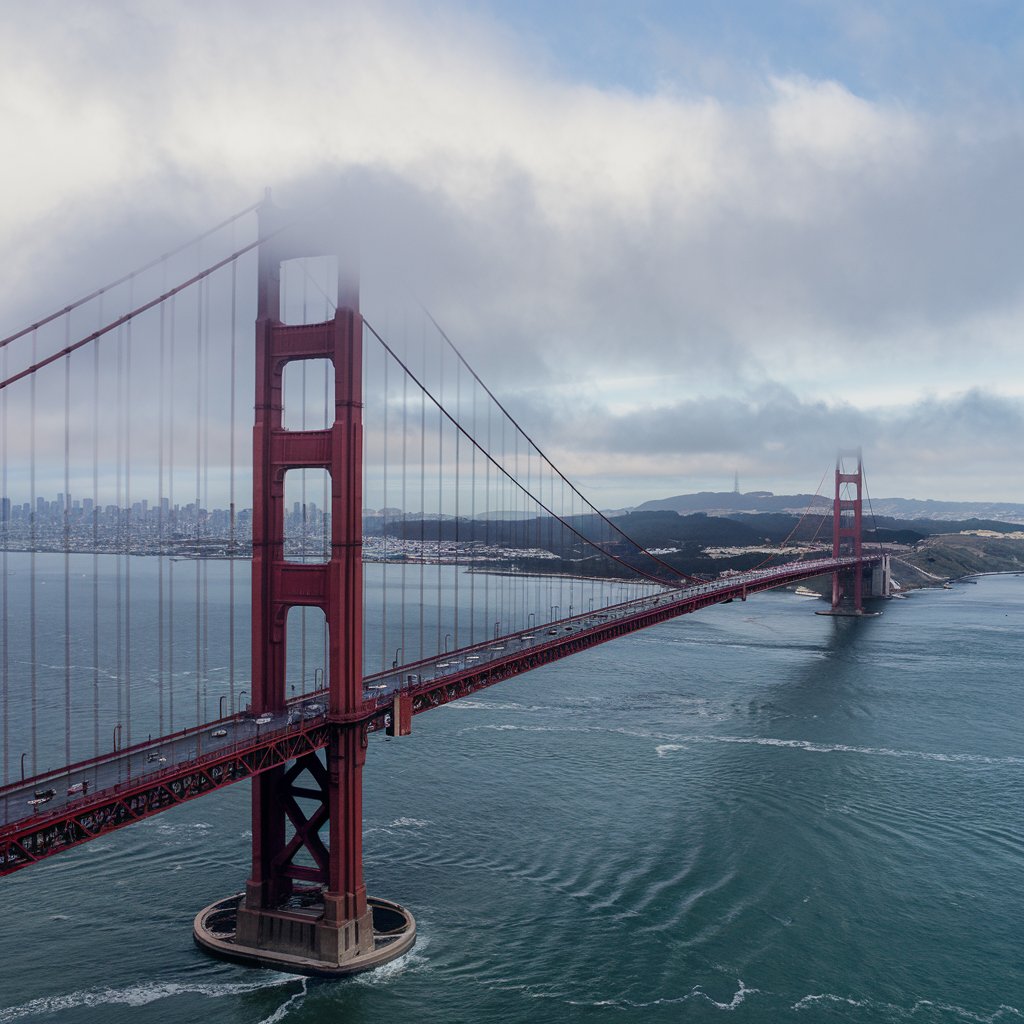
(848, 613)
(295, 938)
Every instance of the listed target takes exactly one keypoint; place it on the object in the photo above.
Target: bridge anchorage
(296, 917)
(853, 582)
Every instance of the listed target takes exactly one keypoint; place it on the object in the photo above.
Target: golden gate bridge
(483, 561)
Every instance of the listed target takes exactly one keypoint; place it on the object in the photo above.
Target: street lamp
(23, 767)
(223, 697)
(241, 693)
(117, 735)
(398, 651)
(447, 637)
(496, 625)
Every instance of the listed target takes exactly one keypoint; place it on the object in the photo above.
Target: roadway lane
(149, 760)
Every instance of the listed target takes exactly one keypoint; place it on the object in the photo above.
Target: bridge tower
(312, 918)
(847, 515)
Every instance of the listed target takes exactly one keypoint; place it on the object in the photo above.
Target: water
(751, 811)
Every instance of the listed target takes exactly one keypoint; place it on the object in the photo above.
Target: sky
(678, 240)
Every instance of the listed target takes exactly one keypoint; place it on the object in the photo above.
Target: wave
(143, 994)
(468, 704)
(671, 742)
(895, 1012)
(695, 993)
(814, 747)
(415, 960)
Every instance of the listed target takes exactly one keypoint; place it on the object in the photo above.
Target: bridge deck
(115, 789)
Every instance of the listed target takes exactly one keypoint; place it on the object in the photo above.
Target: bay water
(752, 813)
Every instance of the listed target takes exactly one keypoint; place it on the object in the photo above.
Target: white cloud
(854, 250)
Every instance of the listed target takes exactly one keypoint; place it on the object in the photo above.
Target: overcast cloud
(701, 252)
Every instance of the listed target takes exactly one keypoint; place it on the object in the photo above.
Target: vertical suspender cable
(172, 510)
(440, 507)
(96, 540)
(204, 562)
(365, 357)
(161, 385)
(384, 531)
(458, 451)
(128, 525)
(198, 500)
(472, 516)
(118, 501)
(5, 525)
(487, 523)
(423, 497)
(509, 528)
(405, 505)
(232, 553)
(302, 477)
(32, 555)
(67, 547)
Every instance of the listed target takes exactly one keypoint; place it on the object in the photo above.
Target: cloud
(770, 265)
(778, 442)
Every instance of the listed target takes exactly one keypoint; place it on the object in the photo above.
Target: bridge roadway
(107, 792)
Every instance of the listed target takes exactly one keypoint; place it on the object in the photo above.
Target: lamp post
(447, 638)
(398, 651)
(241, 694)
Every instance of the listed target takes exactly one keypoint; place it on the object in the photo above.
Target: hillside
(950, 556)
(902, 509)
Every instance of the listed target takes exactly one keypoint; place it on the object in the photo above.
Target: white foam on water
(696, 993)
(138, 995)
(670, 742)
(289, 1004)
(389, 828)
(843, 748)
(741, 993)
(186, 829)
(825, 997)
(667, 748)
(892, 1011)
(481, 705)
(413, 961)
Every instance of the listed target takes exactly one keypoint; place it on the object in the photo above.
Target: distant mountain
(915, 508)
(728, 502)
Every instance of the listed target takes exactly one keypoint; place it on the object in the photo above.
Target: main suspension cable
(127, 277)
(445, 414)
(462, 359)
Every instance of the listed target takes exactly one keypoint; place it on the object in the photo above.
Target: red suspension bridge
(124, 608)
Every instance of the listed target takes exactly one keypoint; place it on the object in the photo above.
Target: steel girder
(41, 836)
